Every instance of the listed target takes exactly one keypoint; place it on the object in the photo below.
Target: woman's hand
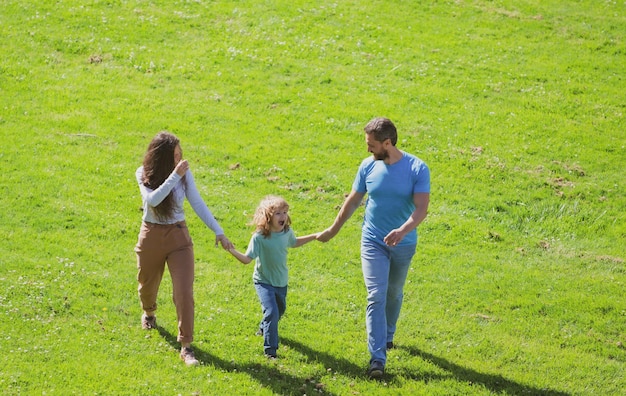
(226, 244)
(182, 167)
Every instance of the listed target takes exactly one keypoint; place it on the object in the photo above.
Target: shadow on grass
(494, 383)
(267, 375)
(340, 365)
(271, 377)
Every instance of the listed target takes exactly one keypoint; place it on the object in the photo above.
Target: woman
(165, 181)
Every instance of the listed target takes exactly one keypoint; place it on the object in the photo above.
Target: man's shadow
(267, 375)
(494, 383)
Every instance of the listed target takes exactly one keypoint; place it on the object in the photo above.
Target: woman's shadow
(267, 375)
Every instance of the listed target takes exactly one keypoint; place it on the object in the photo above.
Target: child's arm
(305, 239)
(240, 256)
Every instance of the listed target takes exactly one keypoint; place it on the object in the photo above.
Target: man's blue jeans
(274, 303)
(384, 271)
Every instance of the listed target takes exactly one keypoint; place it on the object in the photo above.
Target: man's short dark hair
(383, 129)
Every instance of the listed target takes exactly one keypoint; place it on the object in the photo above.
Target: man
(398, 188)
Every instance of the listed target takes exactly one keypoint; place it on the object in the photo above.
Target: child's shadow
(333, 363)
(267, 375)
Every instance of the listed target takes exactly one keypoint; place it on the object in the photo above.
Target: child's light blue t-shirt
(390, 190)
(270, 255)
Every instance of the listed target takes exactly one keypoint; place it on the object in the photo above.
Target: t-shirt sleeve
(422, 178)
(292, 238)
(359, 180)
(253, 250)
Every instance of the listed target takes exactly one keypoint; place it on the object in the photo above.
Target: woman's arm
(199, 206)
(155, 197)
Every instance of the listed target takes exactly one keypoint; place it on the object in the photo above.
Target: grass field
(517, 107)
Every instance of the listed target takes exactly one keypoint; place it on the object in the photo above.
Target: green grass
(517, 107)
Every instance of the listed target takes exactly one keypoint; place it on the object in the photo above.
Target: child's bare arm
(240, 256)
(305, 239)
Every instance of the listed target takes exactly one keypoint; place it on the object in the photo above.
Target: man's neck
(395, 155)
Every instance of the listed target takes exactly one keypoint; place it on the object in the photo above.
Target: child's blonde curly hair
(264, 212)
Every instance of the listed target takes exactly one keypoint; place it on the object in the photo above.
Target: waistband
(179, 224)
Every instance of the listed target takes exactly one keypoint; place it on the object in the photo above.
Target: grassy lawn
(517, 107)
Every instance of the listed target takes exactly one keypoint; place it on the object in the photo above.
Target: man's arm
(421, 201)
(350, 205)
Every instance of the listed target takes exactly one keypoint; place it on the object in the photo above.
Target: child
(268, 246)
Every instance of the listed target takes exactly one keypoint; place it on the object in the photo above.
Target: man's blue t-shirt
(390, 190)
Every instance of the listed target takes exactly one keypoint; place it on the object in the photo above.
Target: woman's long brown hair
(158, 165)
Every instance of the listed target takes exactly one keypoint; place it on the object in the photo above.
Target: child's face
(279, 219)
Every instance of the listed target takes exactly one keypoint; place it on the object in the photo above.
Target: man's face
(378, 149)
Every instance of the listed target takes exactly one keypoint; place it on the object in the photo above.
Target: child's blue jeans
(274, 303)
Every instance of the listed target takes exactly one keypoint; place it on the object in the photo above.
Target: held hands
(326, 235)
(226, 244)
(182, 167)
(243, 259)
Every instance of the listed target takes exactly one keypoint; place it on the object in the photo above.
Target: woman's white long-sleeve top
(151, 198)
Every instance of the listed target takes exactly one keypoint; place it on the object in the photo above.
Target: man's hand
(326, 235)
(393, 238)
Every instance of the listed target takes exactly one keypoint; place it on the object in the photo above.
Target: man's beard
(381, 156)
